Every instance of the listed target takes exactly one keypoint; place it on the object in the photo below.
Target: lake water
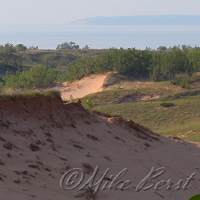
(100, 37)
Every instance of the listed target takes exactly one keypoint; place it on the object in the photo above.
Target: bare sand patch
(90, 84)
(138, 97)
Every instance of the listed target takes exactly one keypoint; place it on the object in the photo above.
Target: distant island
(140, 20)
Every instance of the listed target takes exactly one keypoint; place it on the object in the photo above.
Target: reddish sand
(41, 138)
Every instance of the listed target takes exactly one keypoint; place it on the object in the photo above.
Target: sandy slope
(80, 88)
(41, 138)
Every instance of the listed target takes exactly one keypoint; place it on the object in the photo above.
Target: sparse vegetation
(71, 98)
(88, 102)
(25, 94)
(180, 119)
(176, 121)
(51, 93)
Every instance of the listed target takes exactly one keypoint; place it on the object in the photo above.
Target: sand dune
(41, 138)
(80, 88)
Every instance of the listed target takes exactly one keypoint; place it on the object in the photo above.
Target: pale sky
(63, 11)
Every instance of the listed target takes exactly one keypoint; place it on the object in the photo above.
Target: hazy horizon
(63, 11)
(100, 37)
(46, 23)
(140, 20)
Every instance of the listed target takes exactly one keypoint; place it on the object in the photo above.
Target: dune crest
(42, 138)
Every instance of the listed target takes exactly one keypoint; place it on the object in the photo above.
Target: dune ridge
(41, 138)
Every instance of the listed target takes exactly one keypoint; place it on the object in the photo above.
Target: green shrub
(36, 77)
(182, 81)
(166, 104)
(88, 103)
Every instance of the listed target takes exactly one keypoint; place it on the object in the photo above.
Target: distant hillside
(141, 20)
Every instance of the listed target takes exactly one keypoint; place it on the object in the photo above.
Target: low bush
(166, 104)
(182, 81)
(88, 103)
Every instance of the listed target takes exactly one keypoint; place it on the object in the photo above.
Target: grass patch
(173, 120)
(9, 96)
(27, 94)
(31, 94)
(120, 86)
(51, 93)
(160, 115)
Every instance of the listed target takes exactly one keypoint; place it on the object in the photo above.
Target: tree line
(158, 65)
(162, 64)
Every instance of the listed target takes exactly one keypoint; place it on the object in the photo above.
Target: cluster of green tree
(129, 62)
(70, 45)
(169, 63)
(67, 45)
(10, 59)
(158, 65)
(19, 57)
(164, 48)
(35, 77)
(174, 62)
(16, 63)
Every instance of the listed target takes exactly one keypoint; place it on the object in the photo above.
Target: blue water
(100, 37)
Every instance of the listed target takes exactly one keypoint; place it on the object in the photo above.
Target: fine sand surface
(80, 88)
(41, 138)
